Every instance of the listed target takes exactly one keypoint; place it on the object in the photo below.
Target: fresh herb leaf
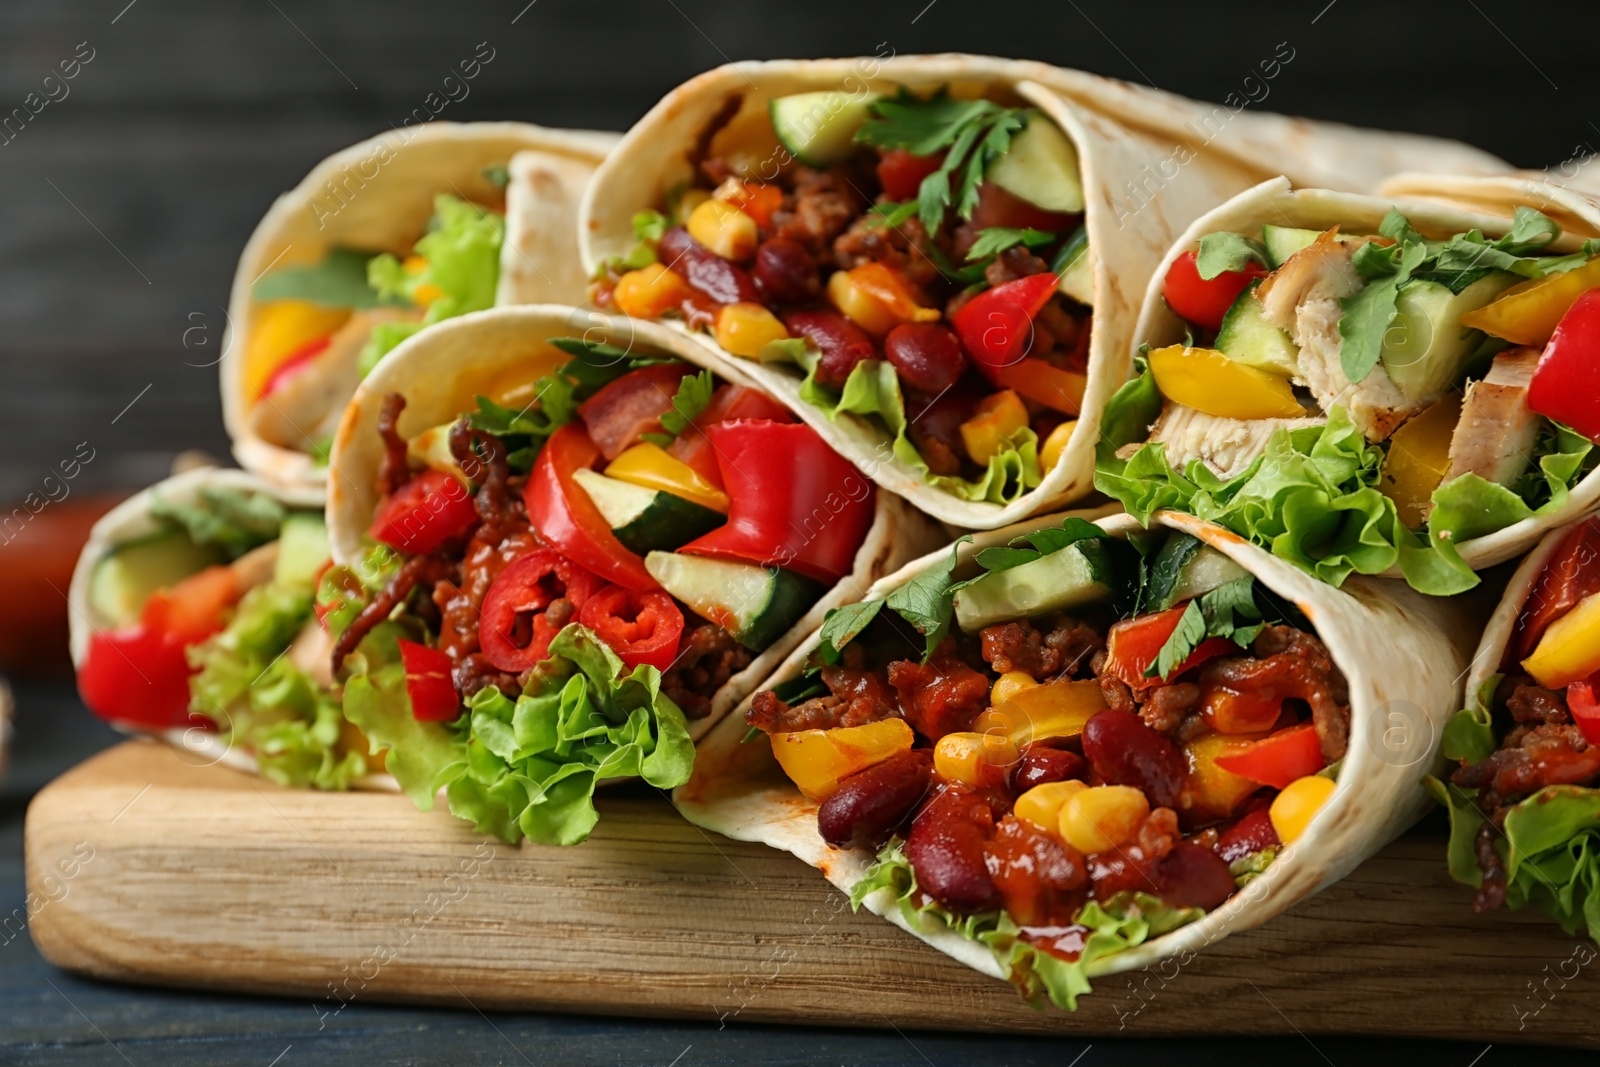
(1227, 611)
(233, 520)
(1368, 314)
(340, 280)
(1228, 251)
(1070, 532)
(497, 175)
(925, 601)
(649, 225)
(501, 421)
(996, 239)
(1004, 557)
(891, 214)
(693, 397)
(842, 625)
(1186, 637)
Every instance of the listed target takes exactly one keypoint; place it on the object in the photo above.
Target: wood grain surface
(346, 898)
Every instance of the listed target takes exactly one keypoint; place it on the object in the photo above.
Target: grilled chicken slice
(307, 406)
(1227, 446)
(1302, 298)
(1495, 437)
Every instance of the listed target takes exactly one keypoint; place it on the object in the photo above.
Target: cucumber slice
(431, 449)
(124, 578)
(1247, 337)
(1075, 268)
(645, 520)
(1426, 350)
(820, 127)
(1186, 568)
(757, 605)
(1070, 577)
(1284, 241)
(1041, 167)
(302, 549)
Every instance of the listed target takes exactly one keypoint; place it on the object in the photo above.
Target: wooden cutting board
(148, 869)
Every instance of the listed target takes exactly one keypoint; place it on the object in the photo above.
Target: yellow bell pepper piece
(517, 387)
(1569, 651)
(1058, 709)
(1055, 444)
(1211, 792)
(1208, 381)
(724, 229)
(650, 292)
(1009, 685)
(1527, 314)
(815, 760)
(745, 329)
(876, 298)
(282, 328)
(1293, 809)
(988, 433)
(1418, 459)
(654, 467)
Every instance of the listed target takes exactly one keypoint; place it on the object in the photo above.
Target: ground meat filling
(855, 697)
(394, 469)
(1296, 666)
(1018, 646)
(706, 660)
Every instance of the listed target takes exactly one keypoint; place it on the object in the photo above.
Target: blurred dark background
(125, 200)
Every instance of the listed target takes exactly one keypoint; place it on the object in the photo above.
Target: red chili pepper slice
(996, 326)
(793, 502)
(514, 626)
(564, 516)
(643, 629)
(424, 513)
(1278, 759)
(1566, 384)
(1203, 301)
(1134, 644)
(429, 683)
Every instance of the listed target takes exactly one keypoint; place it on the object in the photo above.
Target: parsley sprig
(693, 397)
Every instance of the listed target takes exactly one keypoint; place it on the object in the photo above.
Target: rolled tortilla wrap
(378, 196)
(1402, 654)
(1149, 164)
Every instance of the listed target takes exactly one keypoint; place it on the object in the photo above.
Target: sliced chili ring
(643, 629)
(517, 622)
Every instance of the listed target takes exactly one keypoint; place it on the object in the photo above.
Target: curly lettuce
(1112, 926)
(873, 390)
(461, 251)
(1311, 497)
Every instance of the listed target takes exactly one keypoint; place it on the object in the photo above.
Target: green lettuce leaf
(262, 702)
(1115, 925)
(340, 280)
(873, 389)
(233, 520)
(462, 249)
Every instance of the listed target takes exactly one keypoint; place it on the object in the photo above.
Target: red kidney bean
(704, 270)
(946, 850)
(1192, 877)
(926, 355)
(842, 343)
(1124, 751)
(870, 805)
(1039, 765)
(785, 272)
(1252, 833)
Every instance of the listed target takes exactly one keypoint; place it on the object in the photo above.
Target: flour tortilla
(1403, 654)
(1484, 203)
(1147, 169)
(378, 196)
(440, 372)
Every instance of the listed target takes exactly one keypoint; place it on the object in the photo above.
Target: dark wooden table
(124, 203)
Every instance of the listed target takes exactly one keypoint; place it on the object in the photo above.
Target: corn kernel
(425, 294)
(975, 759)
(1293, 809)
(1055, 444)
(1041, 805)
(1009, 685)
(745, 329)
(724, 229)
(1102, 818)
(687, 202)
(860, 306)
(414, 264)
(650, 292)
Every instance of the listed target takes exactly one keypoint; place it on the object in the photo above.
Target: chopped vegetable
(423, 514)
(815, 760)
(1293, 809)
(1201, 300)
(1208, 381)
(1566, 384)
(428, 683)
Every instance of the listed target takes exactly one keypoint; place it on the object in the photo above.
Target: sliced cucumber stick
(755, 604)
(645, 520)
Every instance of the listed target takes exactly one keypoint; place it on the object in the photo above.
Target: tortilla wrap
(1403, 655)
(1574, 205)
(131, 520)
(1150, 162)
(1277, 203)
(443, 369)
(378, 196)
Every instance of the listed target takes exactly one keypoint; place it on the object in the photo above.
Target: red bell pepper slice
(793, 502)
(1203, 301)
(564, 516)
(1278, 759)
(139, 674)
(643, 629)
(996, 326)
(429, 683)
(514, 625)
(1061, 390)
(728, 403)
(293, 363)
(1583, 701)
(1572, 574)
(1566, 383)
(624, 410)
(1134, 644)
(423, 514)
